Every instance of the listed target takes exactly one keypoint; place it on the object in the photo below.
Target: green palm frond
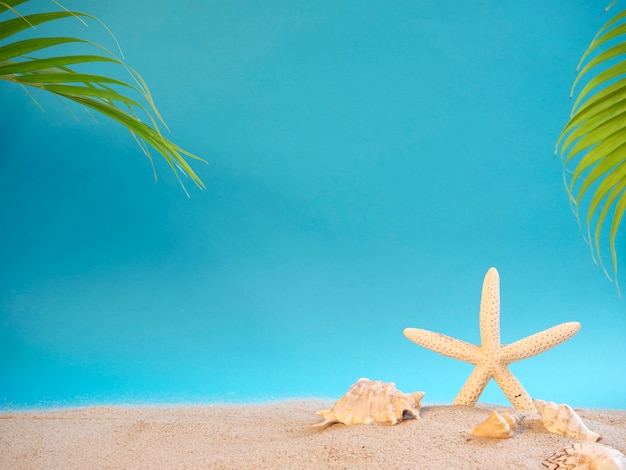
(594, 140)
(117, 99)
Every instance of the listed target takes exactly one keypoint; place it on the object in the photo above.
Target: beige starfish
(492, 358)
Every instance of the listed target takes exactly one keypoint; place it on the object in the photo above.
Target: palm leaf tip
(123, 101)
(592, 145)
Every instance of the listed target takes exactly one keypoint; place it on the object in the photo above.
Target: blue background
(368, 162)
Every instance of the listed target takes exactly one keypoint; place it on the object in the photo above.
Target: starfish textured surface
(492, 358)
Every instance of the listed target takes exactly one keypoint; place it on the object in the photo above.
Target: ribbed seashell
(498, 425)
(586, 456)
(372, 400)
(563, 420)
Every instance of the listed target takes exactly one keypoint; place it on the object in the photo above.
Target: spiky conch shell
(587, 456)
(372, 400)
(498, 425)
(563, 420)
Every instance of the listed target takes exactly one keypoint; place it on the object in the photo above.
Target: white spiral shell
(563, 420)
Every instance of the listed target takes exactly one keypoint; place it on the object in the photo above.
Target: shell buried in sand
(372, 400)
(585, 455)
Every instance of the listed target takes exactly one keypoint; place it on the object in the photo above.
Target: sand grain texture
(274, 436)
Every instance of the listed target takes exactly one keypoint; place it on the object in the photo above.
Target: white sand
(275, 436)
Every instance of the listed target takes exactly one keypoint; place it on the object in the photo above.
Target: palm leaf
(10, 4)
(124, 102)
(593, 141)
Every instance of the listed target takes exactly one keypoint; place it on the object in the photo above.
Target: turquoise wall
(368, 162)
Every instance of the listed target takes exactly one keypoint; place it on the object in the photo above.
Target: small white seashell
(586, 456)
(563, 420)
(498, 425)
(372, 400)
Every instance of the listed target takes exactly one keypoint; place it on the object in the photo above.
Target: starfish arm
(539, 342)
(513, 389)
(473, 387)
(489, 318)
(442, 344)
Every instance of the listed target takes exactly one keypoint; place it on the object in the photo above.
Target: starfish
(491, 358)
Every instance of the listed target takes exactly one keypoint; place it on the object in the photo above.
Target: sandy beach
(275, 436)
